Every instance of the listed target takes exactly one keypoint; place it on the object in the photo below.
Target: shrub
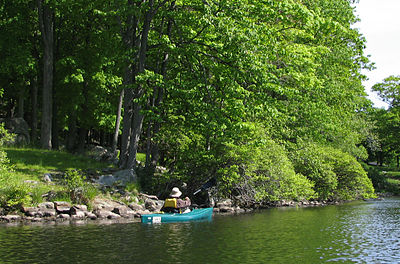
(336, 175)
(13, 193)
(260, 172)
(79, 190)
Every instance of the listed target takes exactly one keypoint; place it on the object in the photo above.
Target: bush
(13, 193)
(336, 175)
(260, 172)
(79, 190)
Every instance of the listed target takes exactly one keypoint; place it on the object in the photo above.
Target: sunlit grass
(141, 157)
(29, 163)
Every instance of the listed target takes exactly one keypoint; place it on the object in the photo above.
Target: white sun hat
(176, 193)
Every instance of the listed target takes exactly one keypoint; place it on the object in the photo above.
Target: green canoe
(195, 214)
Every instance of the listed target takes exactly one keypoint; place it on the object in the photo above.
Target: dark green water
(360, 232)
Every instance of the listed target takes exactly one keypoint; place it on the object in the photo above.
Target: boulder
(101, 213)
(224, 203)
(125, 176)
(113, 216)
(30, 211)
(63, 209)
(142, 212)
(124, 211)
(47, 212)
(64, 216)
(91, 215)
(47, 177)
(78, 208)
(78, 215)
(136, 207)
(20, 128)
(46, 205)
(226, 209)
(10, 218)
(239, 210)
(151, 205)
(62, 203)
(120, 210)
(100, 153)
(106, 180)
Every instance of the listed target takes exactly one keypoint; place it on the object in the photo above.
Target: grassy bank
(32, 164)
(22, 178)
(386, 179)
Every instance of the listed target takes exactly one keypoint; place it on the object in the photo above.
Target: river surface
(357, 232)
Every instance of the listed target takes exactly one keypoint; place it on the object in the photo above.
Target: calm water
(360, 232)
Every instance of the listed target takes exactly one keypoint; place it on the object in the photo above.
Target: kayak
(195, 214)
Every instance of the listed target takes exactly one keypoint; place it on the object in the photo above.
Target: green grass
(32, 164)
(385, 178)
(141, 157)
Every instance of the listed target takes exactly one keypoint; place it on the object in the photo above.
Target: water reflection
(361, 232)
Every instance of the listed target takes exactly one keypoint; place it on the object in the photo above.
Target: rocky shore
(115, 211)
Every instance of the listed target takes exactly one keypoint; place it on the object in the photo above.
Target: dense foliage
(225, 89)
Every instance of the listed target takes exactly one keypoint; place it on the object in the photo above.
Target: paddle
(210, 183)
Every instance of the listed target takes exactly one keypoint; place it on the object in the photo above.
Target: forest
(264, 96)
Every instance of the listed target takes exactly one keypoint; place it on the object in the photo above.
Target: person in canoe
(174, 204)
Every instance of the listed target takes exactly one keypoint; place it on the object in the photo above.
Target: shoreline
(113, 212)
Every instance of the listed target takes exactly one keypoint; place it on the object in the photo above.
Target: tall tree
(46, 25)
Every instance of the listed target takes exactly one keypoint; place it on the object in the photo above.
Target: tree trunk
(128, 38)
(72, 131)
(34, 122)
(83, 127)
(126, 129)
(21, 98)
(117, 122)
(46, 23)
(54, 139)
(83, 132)
(137, 114)
(153, 150)
(135, 136)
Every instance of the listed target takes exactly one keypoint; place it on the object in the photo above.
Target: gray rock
(113, 216)
(47, 177)
(125, 176)
(226, 209)
(129, 214)
(47, 205)
(10, 218)
(30, 211)
(78, 208)
(239, 210)
(124, 211)
(153, 205)
(106, 180)
(47, 212)
(136, 207)
(78, 215)
(142, 212)
(63, 209)
(31, 182)
(100, 153)
(20, 128)
(224, 203)
(101, 213)
(64, 216)
(120, 210)
(91, 215)
(62, 203)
